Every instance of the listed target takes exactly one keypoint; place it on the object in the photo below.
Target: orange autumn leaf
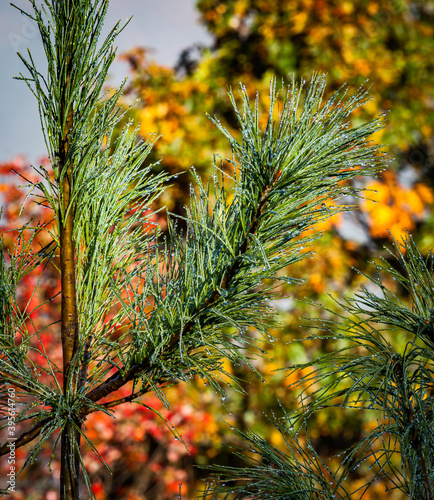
(393, 208)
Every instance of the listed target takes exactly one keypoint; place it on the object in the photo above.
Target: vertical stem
(67, 264)
(70, 464)
(70, 441)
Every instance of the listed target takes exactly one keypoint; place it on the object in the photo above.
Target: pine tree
(373, 372)
(182, 301)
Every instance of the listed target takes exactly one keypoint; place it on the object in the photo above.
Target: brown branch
(12, 379)
(25, 438)
(117, 402)
(115, 382)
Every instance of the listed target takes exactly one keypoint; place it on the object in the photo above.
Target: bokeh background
(181, 58)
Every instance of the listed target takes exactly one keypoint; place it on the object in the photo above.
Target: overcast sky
(167, 26)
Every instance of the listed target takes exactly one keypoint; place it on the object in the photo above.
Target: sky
(166, 26)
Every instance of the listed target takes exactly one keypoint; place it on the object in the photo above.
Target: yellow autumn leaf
(299, 21)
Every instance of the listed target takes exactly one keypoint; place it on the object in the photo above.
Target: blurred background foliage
(388, 42)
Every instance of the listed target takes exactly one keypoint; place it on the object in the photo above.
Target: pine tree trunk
(70, 441)
(70, 465)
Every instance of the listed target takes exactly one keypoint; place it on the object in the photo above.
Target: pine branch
(372, 372)
(118, 380)
(238, 245)
(292, 472)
